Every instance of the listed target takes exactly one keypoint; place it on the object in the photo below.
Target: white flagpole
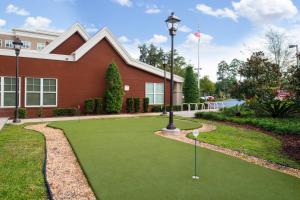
(199, 62)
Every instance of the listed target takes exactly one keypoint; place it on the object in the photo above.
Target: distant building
(62, 70)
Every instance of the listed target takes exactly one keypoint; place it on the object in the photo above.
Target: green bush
(129, 105)
(99, 107)
(114, 90)
(146, 104)
(159, 108)
(156, 108)
(64, 111)
(22, 113)
(136, 104)
(89, 106)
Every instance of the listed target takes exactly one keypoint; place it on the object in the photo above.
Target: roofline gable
(63, 37)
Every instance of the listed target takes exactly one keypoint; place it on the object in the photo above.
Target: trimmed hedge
(146, 104)
(279, 125)
(129, 105)
(22, 113)
(89, 106)
(99, 105)
(159, 108)
(64, 111)
(136, 104)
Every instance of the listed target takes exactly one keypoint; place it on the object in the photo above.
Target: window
(9, 44)
(0, 43)
(155, 93)
(26, 44)
(40, 46)
(8, 91)
(41, 92)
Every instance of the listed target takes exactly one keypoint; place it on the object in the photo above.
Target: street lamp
(297, 52)
(17, 46)
(172, 24)
(165, 62)
(195, 134)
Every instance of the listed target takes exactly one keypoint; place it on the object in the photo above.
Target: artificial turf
(123, 159)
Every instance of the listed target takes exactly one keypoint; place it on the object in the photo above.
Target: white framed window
(41, 92)
(8, 91)
(40, 46)
(26, 44)
(155, 93)
(0, 43)
(9, 44)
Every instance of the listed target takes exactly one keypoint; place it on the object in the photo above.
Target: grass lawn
(123, 159)
(21, 161)
(247, 141)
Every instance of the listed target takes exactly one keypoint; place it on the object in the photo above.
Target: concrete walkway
(52, 119)
(2, 122)
(191, 113)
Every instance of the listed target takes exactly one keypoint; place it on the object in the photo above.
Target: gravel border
(63, 173)
(207, 128)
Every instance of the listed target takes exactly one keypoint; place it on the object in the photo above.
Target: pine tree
(190, 86)
(114, 90)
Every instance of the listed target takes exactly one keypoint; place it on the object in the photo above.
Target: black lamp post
(17, 46)
(172, 23)
(165, 62)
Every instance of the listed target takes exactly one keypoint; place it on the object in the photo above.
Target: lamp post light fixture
(17, 46)
(297, 52)
(165, 63)
(172, 23)
(195, 134)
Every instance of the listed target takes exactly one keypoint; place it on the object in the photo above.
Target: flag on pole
(197, 34)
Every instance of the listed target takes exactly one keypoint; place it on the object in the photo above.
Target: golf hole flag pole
(197, 35)
(195, 134)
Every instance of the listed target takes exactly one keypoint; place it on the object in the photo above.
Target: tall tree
(190, 86)
(207, 86)
(114, 90)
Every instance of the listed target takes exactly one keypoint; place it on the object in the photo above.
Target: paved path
(191, 113)
(52, 119)
(2, 122)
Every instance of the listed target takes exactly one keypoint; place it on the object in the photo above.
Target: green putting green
(123, 159)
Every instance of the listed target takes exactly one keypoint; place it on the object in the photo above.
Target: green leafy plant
(146, 104)
(114, 90)
(64, 111)
(99, 107)
(129, 105)
(190, 86)
(22, 113)
(136, 104)
(89, 106)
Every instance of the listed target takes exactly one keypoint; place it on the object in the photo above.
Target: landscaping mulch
(207, 128)
(63, 172)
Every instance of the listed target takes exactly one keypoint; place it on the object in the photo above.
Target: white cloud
(127, 3)
(123, 39)
(184, 29)
(37, 22)
(223, 13)
(152, 10)
(158, 39)
(16, 10)
(265, 10)
(91, 29)
(2, 22)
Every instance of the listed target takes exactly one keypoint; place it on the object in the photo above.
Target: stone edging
(207, 128)
(63, 173)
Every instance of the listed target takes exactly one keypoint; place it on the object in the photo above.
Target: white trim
(2, 92)
(105, 33)
(41, 93)
(154, 93)
(75, 28)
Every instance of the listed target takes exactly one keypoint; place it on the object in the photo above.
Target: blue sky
(229, 28)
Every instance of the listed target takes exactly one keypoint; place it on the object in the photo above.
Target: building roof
(104, 33)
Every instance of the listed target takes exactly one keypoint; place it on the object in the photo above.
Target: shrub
(136, 104)
(129, 105)
(64, 111)
(89, 106)
(22, 113)
(146, 104)
(99, 107)
(114, 90)
(190, 86)
(40, 112)
(156, 108)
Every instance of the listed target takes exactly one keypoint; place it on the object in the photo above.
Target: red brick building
(71, 69)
